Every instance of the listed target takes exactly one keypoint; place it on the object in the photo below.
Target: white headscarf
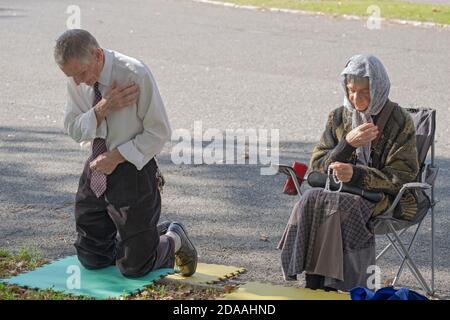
(367, 66)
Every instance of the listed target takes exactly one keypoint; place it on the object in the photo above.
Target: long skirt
(328, 234)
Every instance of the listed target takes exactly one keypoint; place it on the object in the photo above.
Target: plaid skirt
(328, 234)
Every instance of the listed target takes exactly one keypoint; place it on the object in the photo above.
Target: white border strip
(315, 13)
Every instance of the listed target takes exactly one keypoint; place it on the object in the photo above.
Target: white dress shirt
(139, 131)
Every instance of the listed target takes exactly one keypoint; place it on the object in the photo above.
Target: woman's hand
(362, 135)
(343, 171)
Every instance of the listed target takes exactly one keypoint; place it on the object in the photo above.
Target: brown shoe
(186, 257)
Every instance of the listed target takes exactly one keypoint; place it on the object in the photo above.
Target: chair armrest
(416, 185)
(283, 169)
(412, 185)
(289, 171)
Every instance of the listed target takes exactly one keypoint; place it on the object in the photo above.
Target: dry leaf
(229, 288)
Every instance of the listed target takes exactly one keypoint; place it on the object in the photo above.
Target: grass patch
(27, 259)
(9, 292)
(24, 260)
(175, 292)
(390, 9)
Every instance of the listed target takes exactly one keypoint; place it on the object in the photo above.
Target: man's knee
(135, 267)
(91, 260)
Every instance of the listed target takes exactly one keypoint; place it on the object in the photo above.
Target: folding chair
(393, 228)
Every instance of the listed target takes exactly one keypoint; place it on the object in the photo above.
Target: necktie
(98, 179)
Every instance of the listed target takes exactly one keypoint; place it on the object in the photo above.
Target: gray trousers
(120, 226)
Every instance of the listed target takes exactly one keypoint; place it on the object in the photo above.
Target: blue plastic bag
(387, 293)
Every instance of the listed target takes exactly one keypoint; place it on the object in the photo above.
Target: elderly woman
(328, 235)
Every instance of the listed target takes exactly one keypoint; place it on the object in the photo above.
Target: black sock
(314, 281)
(329, 289)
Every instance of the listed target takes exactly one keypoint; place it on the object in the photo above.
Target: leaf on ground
(229, 288)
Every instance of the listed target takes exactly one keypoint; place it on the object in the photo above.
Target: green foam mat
(69, 276)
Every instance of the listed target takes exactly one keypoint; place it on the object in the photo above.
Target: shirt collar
(105, 75)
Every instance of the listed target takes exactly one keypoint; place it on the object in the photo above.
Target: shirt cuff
(357, 177)
(102, 130)
(129, 151)
(89, 125)
(343, 151)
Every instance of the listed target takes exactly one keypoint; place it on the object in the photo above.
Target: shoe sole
(190, 242)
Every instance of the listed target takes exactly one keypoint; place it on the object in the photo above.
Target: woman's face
(359, 95)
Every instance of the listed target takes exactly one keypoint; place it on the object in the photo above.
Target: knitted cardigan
(394, 158)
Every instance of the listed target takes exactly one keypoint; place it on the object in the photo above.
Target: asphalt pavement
(230, 69)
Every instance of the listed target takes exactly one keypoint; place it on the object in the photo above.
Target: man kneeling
(113, 102)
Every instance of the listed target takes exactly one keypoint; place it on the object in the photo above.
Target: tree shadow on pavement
(234, 214)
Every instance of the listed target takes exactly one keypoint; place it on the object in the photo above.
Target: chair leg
(400, 270)
(389, 246)
(403, 253)
(432, 246)
(412, 267)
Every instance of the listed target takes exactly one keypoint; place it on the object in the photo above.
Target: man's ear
(98, 52)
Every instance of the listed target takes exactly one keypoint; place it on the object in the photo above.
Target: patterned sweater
(394, 158)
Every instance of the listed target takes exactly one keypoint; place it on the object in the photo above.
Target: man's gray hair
(74, 43)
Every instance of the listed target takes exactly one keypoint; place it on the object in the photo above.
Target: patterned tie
(98, 179)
